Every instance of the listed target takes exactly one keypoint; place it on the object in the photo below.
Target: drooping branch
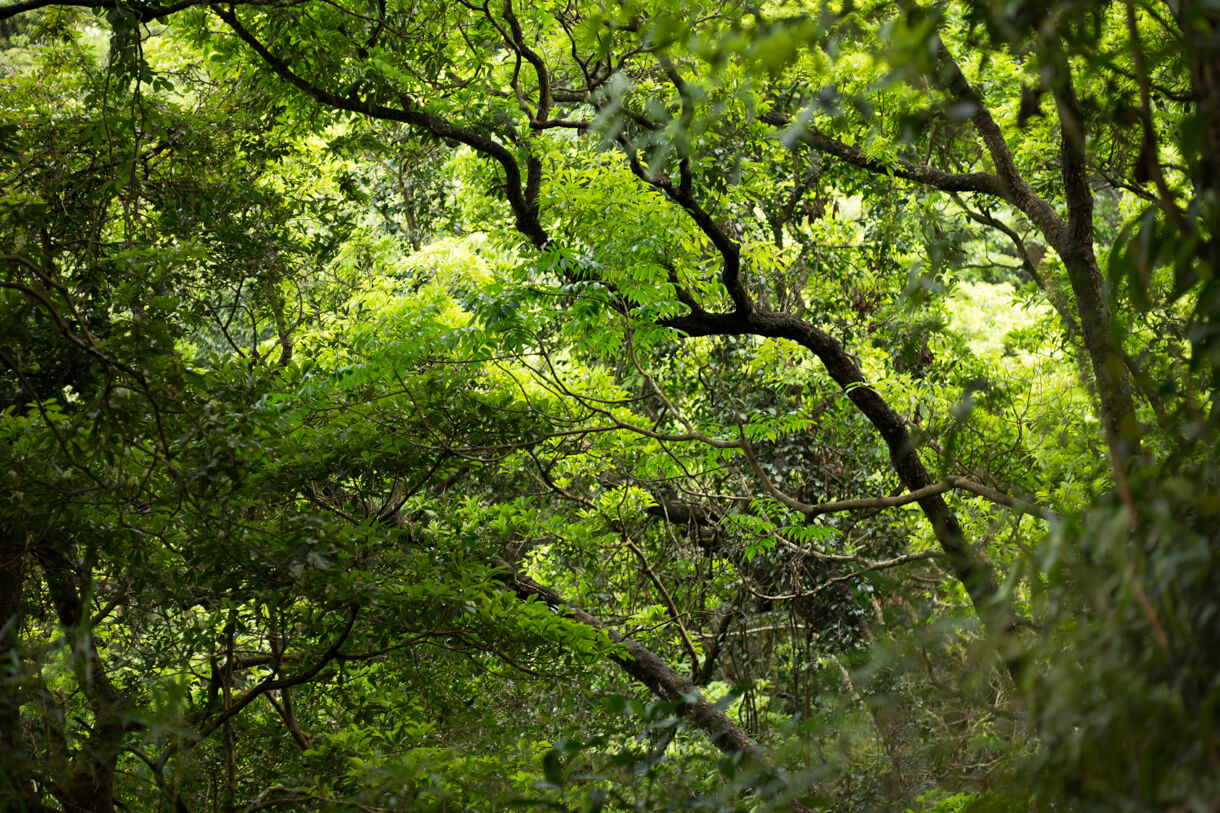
(517, 42)
(140, 12)
(648, 668)
(998, 497)
(525, 212)
(1029, 257)
(953, 482)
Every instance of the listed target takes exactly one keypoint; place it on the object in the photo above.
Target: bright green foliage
(432, 406)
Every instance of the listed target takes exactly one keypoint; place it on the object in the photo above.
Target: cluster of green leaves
(286, 399)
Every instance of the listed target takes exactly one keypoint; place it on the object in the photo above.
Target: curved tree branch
(969, 566)
(142, 13)
(525, 212)
(982, 182)
(648, 668)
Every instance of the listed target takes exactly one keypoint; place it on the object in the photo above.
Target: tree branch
(668, 599)
(730, 251)
(525, 212)
(646, 667)
(885, 564)
(983, 182)
(273, 684)
(971, 568)
(1015, 189)
(142, 13)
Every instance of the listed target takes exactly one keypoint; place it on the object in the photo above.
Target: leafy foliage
(673, 406)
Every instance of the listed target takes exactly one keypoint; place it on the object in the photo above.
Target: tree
(263, 451)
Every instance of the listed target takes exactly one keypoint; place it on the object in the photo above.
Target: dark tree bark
(648, 668)
(15, 767)
(969, 566)
(645, 666)
(90, 786)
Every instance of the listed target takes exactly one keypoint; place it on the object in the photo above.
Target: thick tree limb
(1080, 260)
(651, 670)
(142, 13)
(984, 182)
(969, 566)
(1014, 188)
(948, 484)
(90, 786)
(648, 668)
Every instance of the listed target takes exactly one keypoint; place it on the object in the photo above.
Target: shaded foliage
(439, 406)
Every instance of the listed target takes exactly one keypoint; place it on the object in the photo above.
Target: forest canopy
(416, 405)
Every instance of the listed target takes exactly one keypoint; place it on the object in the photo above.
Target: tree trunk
(90, 788)
(15, 770)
